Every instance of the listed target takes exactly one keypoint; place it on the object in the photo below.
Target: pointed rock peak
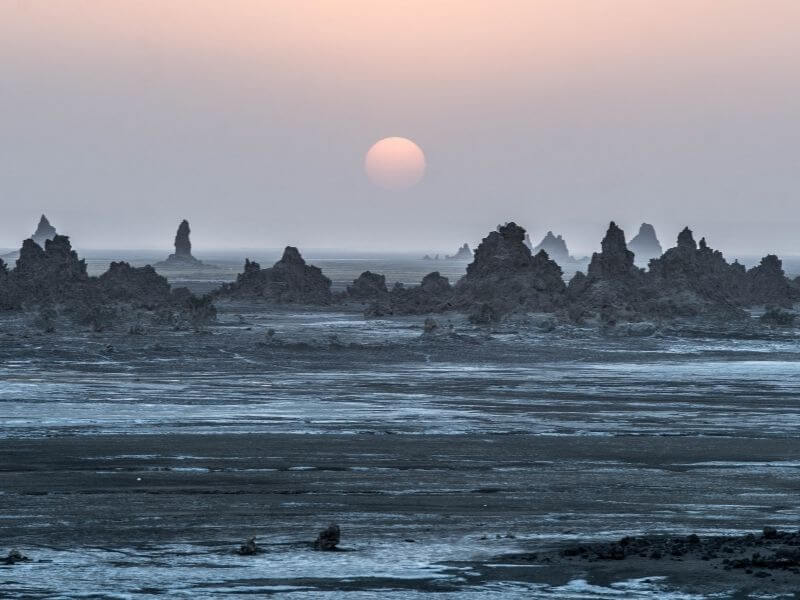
(614, 239)
(44, 231)
(555, 246)
(291, 255)
(686, 239)
(703, 245)
(646, 229)
(615, 261)
(645, 244)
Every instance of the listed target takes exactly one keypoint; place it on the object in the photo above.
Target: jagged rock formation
(505, 277)
(44, 231)
(290, 280)
(182, 258)
(368, 286)
(54, 280)
(124, 283)
(645, 245)
(463, 253)
(432, 295)
(429, 257)
(767, 284)
(615, 261)
(49, 274)
(692, 279)
(555, 246)
(612, 284)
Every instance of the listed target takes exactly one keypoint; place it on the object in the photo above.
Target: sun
(395, 163)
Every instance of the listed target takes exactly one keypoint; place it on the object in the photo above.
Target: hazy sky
(251, 119)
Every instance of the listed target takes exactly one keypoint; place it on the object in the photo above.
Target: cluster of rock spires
(53, 281)
(463, 253)
(505, 277)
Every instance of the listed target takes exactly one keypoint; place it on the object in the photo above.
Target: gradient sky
(251, 119)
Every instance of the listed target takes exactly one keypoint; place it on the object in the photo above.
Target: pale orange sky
(558, 114)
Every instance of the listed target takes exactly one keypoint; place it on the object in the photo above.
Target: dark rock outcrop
(368, 286)
(432, 295)
(14, 557)
(249, 548)
(142, 286)
(767, 284)
(692, 279)
(49, 275)
(612, 287)
(645, 245)
(615, 261)
(182, 258)
(288, 281)
(328, 538)
(463, 253)
(556, 248)
(54, 281)
(506, 277)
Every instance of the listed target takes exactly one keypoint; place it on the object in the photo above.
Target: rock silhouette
(505, 277)
(693, 279)
(288, 281)
(182, 257)
(767, 284)
(368, 286)
(53, 281)
(645, 244)
(556, 248)
(463, 253)
(44, 231)
(432, 295)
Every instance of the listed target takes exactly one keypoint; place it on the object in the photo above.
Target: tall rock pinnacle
(183, 250)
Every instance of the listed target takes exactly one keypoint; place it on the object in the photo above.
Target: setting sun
(395, 163)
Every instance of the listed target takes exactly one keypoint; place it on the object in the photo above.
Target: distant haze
(251, 118)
